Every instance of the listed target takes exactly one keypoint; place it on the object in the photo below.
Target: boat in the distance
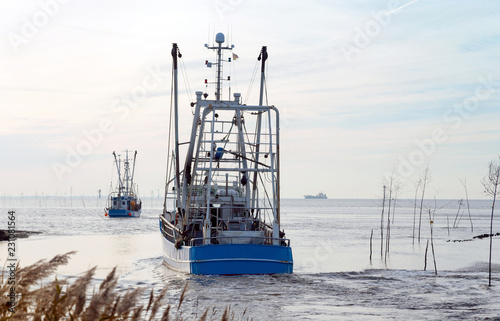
(124, 202)
(221, 211)
(317, 196)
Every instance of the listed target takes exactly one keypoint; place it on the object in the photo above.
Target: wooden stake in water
(382, 227)
(431, 222)
(490, 183)
(425, 180)
(455, 223)
(464, 183)
(425, 256)
(415, 209)
(371, 237)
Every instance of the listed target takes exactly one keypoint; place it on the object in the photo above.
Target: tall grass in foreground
(64, 300)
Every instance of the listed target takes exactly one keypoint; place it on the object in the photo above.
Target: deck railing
(170, 232)
(284, 242)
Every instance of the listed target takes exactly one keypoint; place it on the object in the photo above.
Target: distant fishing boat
(225, 213)
(317, 196)
(124, 202)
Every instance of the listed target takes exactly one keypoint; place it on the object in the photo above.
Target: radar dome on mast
(219, 38)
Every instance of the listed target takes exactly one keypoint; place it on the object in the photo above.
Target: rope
(186, 82)
(265, 83)
(250, 85)
(167, 174)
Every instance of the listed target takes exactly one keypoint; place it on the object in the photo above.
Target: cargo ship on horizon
(317, 196)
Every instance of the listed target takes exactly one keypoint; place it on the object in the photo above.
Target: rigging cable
(267, 195)
(111, 183)
(186, 83)
(265, 83)
(167, 174)
(268, 180)
(250, 85)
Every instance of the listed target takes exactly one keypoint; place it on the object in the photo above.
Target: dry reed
(38, 299)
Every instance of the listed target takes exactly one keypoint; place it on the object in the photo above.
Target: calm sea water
(333, 279)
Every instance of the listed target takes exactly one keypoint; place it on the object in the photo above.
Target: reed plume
(39, 299)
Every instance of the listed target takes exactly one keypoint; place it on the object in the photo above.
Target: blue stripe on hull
(123, 213)
(231, 259)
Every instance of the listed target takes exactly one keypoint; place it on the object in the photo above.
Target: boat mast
(189, 155)
(175, 53)
(219, 38)
(263, 56)
(120, 183)
(275, 179)
(127, 173)
(133, 170)
(242, 151)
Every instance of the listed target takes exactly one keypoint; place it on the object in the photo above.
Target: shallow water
(333, 276)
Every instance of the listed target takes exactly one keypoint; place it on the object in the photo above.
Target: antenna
(219, 39)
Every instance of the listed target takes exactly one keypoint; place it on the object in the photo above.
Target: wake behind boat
(124, 202)
(224, 216)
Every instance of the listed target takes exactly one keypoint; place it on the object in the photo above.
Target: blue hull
(226, 259)
(123, 213)
(232, 259)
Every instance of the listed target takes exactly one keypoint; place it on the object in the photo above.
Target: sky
(367, 90)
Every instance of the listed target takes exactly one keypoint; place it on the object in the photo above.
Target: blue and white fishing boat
(124, 202)
(221, 212)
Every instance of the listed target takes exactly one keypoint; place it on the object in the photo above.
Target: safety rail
(284, 242)
(132, 202)
(122, 195)
(169, 231)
